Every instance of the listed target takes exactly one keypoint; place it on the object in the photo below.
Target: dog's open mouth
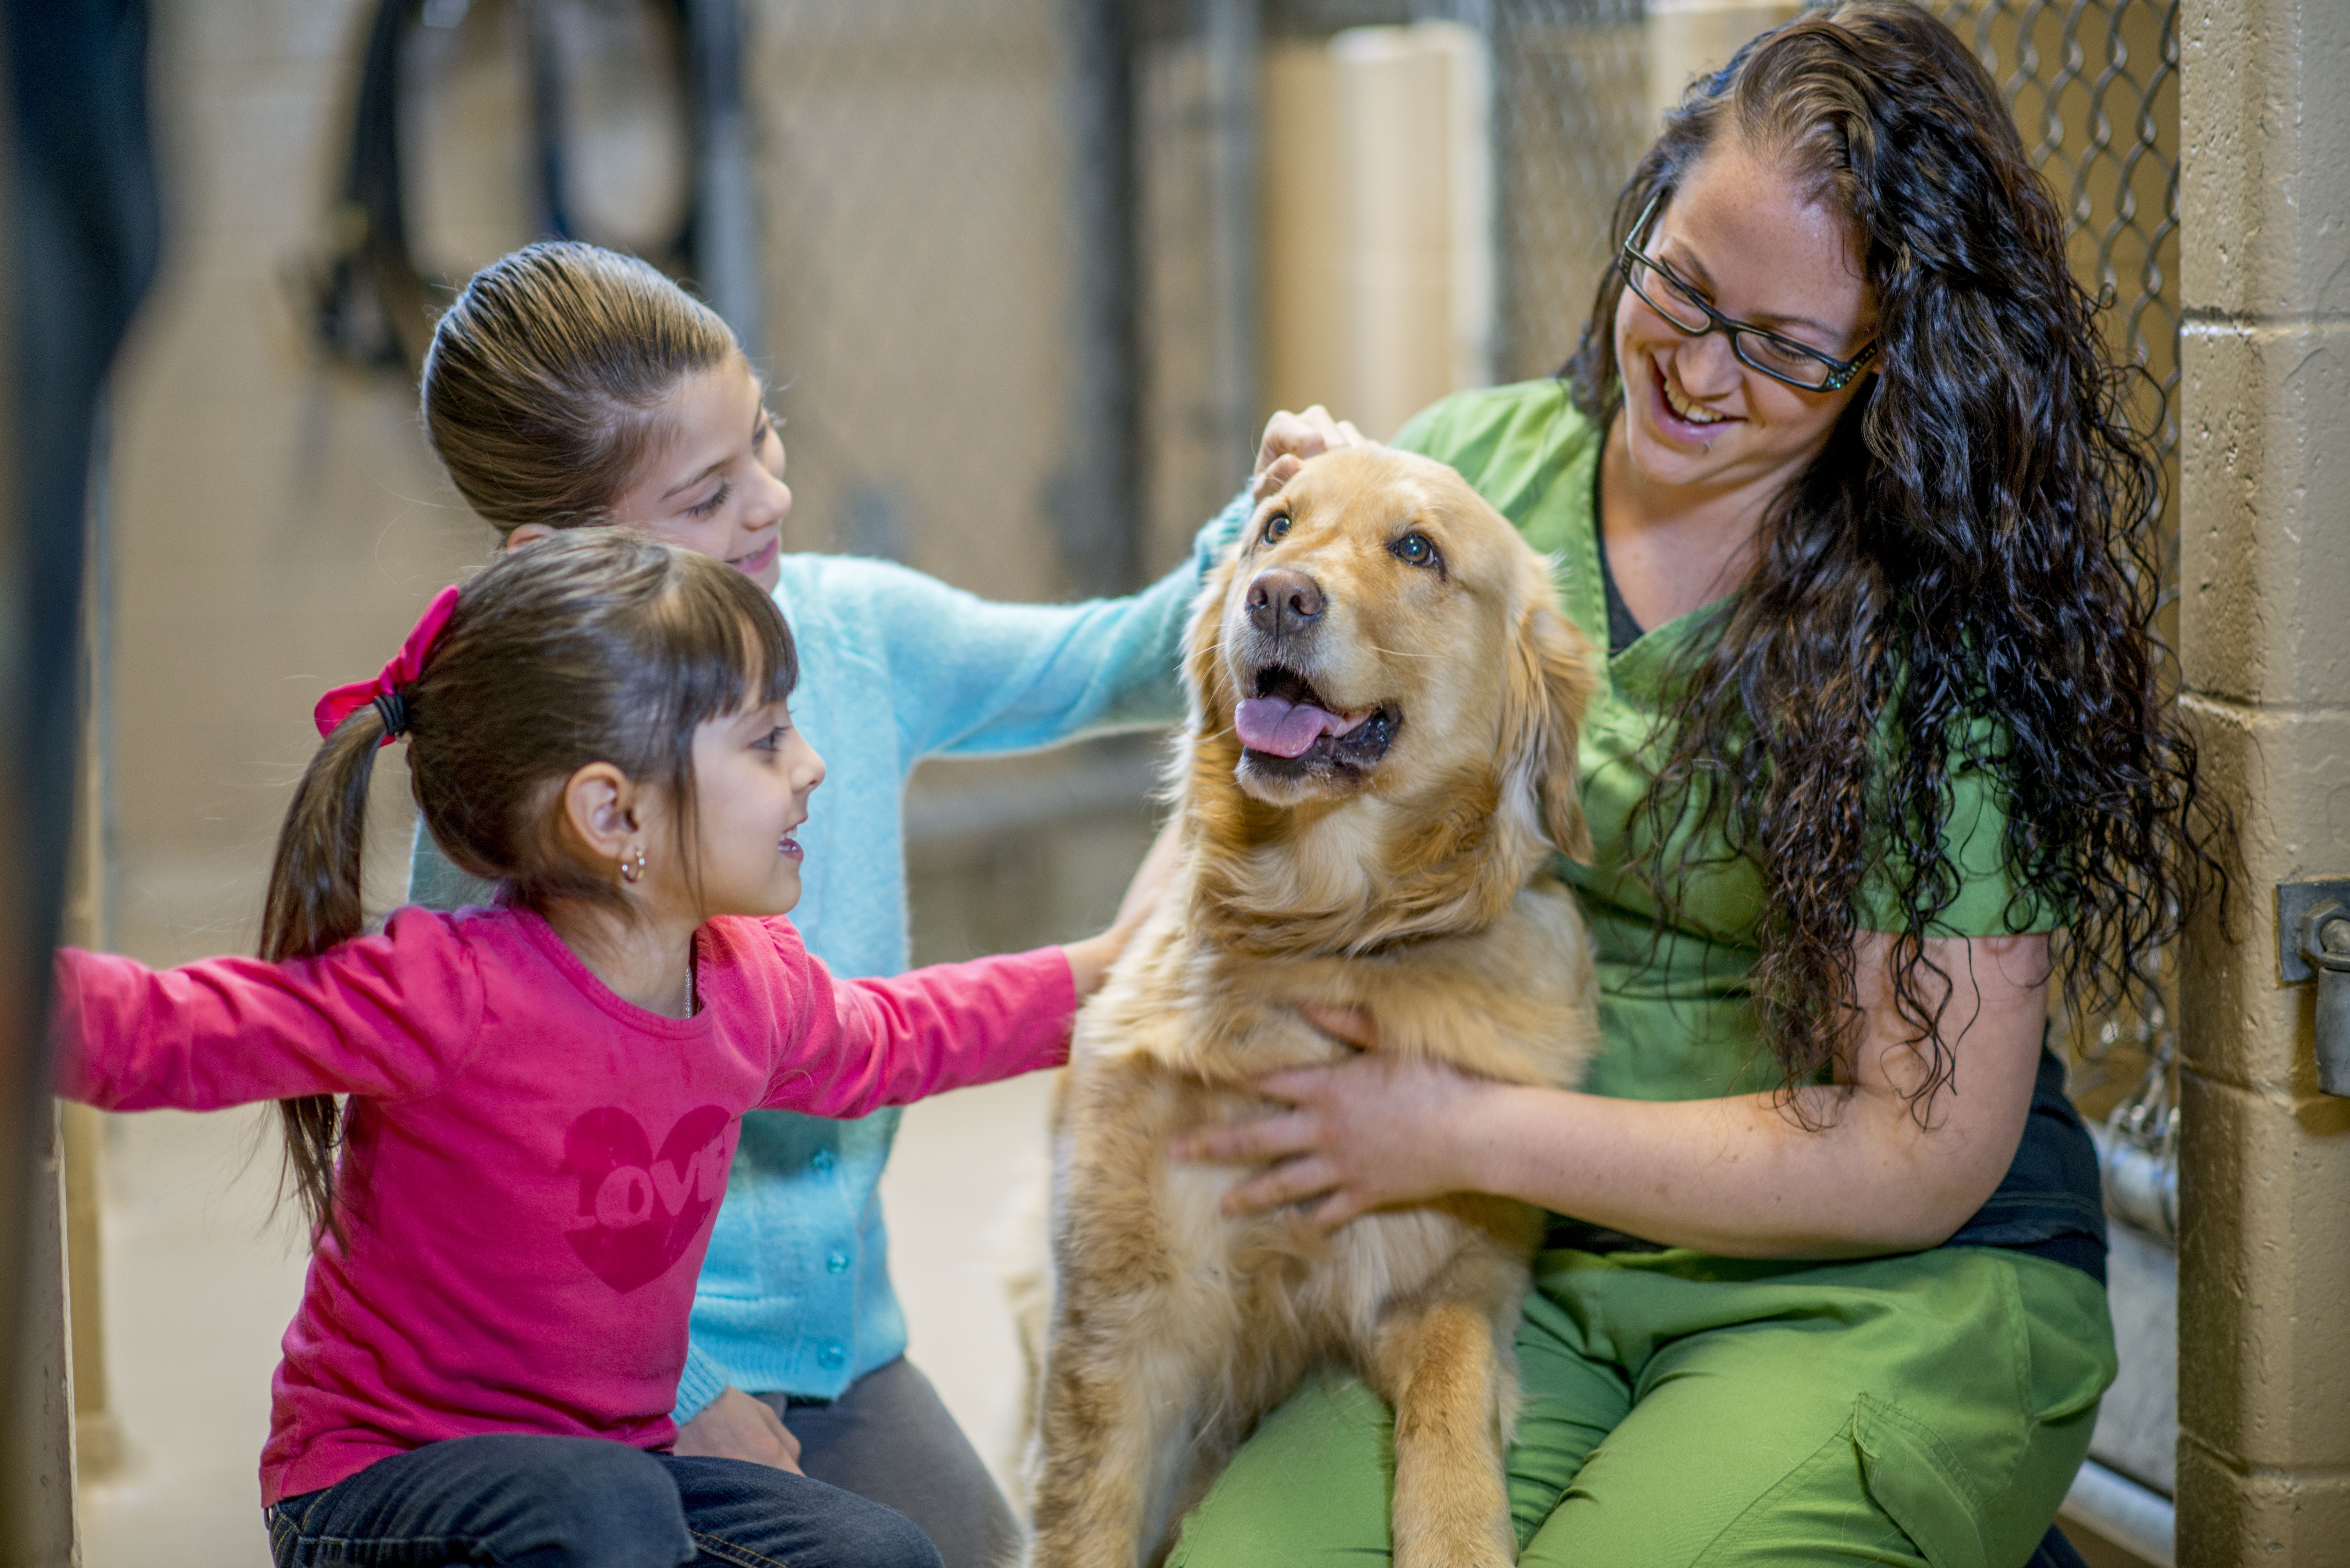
(1288, 722)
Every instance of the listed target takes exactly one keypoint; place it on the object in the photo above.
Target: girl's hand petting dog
(1366, 1134)
(1290, 439)
(735, 1426)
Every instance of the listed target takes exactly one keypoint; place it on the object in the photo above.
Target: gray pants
(889, 1439)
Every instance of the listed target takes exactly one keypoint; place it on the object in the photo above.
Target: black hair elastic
(394, 713)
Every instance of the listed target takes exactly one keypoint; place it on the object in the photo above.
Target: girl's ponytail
(314, 902)
(314, 882)
(315, 897)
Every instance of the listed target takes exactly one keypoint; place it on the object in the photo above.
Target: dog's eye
(1414, 550)
(1275, 526)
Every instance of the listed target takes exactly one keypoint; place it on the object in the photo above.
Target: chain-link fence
(948, 240)
(1019, 252)
(1571, 116)
(2094, 84)
(2096, 91)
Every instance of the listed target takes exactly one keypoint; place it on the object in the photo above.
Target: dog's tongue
(1280, 728)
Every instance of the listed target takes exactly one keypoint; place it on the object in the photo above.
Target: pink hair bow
(383, 691)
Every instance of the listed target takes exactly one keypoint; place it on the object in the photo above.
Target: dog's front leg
(1440, 1360)
(1116, 1432)
(1115, 1424)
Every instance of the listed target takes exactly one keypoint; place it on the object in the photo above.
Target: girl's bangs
(728, 647)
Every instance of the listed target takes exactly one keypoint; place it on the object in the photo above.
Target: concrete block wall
(2264, 1307)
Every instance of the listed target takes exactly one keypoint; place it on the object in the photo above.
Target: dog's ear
(1551, 679)
(1202, 662)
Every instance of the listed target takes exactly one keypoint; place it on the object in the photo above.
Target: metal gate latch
(2314, 944)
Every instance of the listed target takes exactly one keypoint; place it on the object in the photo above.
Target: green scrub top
(1674, 1012)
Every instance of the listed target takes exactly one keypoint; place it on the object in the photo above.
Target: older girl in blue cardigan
(569, 386)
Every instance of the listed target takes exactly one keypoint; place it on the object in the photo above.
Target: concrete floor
(199, 1286)
(198, 1290)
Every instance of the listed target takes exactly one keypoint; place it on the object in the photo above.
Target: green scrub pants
(1680, 1408)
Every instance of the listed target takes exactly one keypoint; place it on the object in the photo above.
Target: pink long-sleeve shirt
(532, 1164)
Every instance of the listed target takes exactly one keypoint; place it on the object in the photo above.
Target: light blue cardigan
(794, 1293)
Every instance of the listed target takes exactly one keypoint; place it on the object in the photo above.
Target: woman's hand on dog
(1367, 1133)
(1290, 439)
(735, 1426)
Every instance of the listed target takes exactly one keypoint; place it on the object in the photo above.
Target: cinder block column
(1415, 136)
(2264, 1251)
(1377, 225)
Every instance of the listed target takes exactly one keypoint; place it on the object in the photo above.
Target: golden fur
(1398, 870)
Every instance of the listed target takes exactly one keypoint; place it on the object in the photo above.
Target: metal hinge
(2314, 944)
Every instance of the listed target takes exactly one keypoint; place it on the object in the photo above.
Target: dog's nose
(1280, 602)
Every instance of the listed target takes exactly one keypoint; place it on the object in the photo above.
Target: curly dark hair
(1965, 579)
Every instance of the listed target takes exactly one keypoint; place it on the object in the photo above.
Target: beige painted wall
(1302, 227)
(2264, 1307)
(277, 521)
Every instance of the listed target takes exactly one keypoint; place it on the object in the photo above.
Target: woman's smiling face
(713, 481)
(1761, 249)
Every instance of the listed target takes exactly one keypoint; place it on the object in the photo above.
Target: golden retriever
(1380, 761)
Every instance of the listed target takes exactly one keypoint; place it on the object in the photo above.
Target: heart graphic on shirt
(638, 1211)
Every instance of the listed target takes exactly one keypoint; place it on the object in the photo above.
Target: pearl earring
(633, 869)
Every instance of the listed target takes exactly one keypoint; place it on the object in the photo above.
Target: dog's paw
(1456, 1544)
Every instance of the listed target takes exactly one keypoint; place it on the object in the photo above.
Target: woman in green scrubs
(1843, 481)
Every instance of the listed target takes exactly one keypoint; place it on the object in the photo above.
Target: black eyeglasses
(1780, 359)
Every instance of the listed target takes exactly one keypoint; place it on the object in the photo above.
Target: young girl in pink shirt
(510, 1210)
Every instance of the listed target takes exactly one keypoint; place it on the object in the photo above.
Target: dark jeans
(578, 1502)
(890, 1438)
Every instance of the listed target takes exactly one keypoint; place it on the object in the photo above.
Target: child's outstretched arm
(866, 1044)
(388, 1015)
